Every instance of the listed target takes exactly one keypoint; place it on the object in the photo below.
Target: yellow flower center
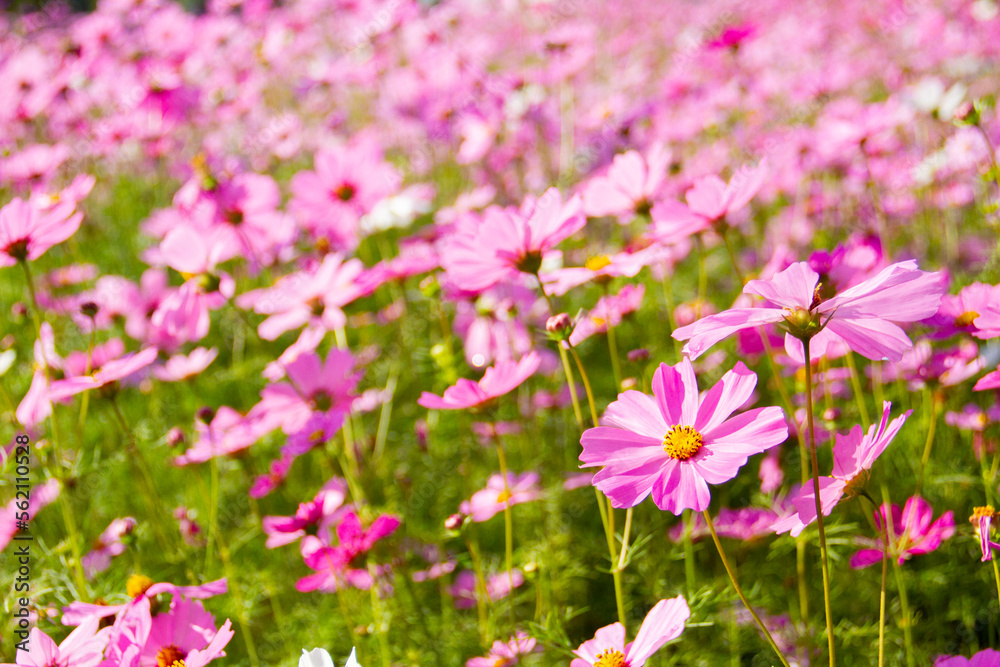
(681, 443)
(979, 512)
(503, 497)
(965, 319)
(597, 262)
(610, 658)
(138, 584)
(169, 656)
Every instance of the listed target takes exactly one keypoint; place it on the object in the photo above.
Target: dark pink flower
(664, 622)
(913, 531)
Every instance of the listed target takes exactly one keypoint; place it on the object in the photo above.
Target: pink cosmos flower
(985, 658)
(140, 589)
(745, 523)
(608, 312)
(40, 496)
(981, 520)
(27, 231)
(82, 648)
(186, 633)
(505, 654)
(107, 546)
(601, 269)
(504, 242)
(498, 380)
(853, 455)
(913, 532)
(631, 187)
(709, 201)
(966, 311)
(664, 622)
(315, 386)
(486, 503)
(498, 586)
(862, 316)
(112, 371)
(314, 298)
(674, 443)
(334, 565)
(327, 507)
(180, 367)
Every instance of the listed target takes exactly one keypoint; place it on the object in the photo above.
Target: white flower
(320, 658)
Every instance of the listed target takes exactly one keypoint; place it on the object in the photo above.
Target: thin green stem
(616, 574)
(586, 386)
(810, 435)
(625, 534)
(508, 520)
(933, 405)
(739, 591)
(996, 576)
(616, 369)
(859, 395)
(904, 607)
(571, 383)
(689, 579)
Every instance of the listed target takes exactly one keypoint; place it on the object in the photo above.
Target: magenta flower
(985, 658)
(912, 532)
(498, 495)
(498, 380)
(185, 634)
(664, 622)
(337, 565)
(26, 231)
(82, 648)
(505, 242)
(675, 443)
(107, 546)
(853, 455)
(861, 316)
(327, 507)
(505, 654)
(981, 520)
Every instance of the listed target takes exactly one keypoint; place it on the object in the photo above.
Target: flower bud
(454, 522)
(559, 326)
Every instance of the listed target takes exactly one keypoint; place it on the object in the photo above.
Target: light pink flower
(186, 633)
(675, 443)
(82, 648)
(107, 546)
(862, 316)
(39, 496)
(27, 231)
(505, 654)
(608, 312)
(498, 586)
(504, 242)
(112, 371)
(664, 622)
(631, 187)
(180, 367)
(498, 380)
(486, 503)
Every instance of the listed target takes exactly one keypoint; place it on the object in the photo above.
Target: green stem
(904, 607)
(996, 576)
(508, 520)
(933, 403)
(625, 534)
(819, 508)
(586, 386)
(858, 392)
(689, 580)
(739, 591)
(571, 383)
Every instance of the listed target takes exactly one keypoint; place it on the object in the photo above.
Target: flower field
(552, 332)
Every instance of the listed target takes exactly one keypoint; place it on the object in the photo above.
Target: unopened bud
(454, 522)
(559, 326)
(89, 308)
(205, 415)
(175, 437)
(639, 354)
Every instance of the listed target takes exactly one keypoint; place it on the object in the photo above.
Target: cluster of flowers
(292, 214)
